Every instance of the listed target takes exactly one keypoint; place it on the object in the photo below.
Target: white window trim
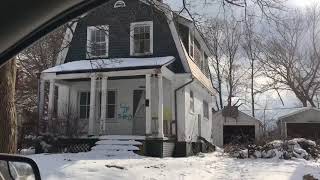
(78, 104)
(191, 41)
(115, 119)
(132, 26)
(208, 109)
(88, 48)
(191, 110)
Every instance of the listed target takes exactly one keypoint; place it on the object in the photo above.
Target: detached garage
(303, 123)
(233, 126)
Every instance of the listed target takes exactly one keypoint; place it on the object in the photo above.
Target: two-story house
(134, 68)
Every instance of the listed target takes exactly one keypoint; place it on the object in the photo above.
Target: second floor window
(97, 41)
(141, 38)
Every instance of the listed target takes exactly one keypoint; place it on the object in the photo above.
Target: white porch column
(41, 99)
(148, 108)
(51, 103)
(173, 110)
(160, 106)
(104, 93)
(91, 130)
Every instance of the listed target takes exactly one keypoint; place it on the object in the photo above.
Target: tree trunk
(8, 120)
(252, 89)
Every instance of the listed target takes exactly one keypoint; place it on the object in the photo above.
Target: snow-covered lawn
(96, 165)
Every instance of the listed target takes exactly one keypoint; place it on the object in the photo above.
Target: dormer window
(119, 4)
(141, 38)
(97, 41)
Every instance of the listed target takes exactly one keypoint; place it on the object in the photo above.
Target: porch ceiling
(107, 65)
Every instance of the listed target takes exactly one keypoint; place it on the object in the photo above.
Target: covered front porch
(107, 98)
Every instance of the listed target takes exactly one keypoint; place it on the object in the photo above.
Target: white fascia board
(167, 73)
(66, 42)
(297, 112)
(49, 76)
(169, 14)
(177, 41)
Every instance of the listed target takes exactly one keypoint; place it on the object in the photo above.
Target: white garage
(230, 123)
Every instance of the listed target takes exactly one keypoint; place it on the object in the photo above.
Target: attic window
(119, 4)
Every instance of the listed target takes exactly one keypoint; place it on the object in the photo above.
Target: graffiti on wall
(124, 112)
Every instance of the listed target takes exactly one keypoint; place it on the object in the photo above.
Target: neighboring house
(302, 123)
(133, 67)
(234, 125)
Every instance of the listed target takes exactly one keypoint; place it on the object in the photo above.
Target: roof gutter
(176, 105)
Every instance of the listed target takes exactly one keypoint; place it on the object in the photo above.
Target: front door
(139, 113)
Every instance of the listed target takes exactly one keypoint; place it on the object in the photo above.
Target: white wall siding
(191, 131)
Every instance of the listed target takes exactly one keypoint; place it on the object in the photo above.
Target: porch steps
(121, 137)
(103, 147)
(113, 145)
(118, 142)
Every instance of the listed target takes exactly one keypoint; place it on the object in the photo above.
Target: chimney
(230, 111)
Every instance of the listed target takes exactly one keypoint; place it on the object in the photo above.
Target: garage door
(305, 130)
(238, 134)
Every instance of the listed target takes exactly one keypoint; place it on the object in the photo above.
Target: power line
(267, 109)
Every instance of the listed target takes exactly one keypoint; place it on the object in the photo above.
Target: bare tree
(213, 31)
(250, 46)
(232, 37)
(291, 58)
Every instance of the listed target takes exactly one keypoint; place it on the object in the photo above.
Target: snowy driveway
(95, 166)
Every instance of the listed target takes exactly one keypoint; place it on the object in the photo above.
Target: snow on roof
(300, 110)
(114, 63)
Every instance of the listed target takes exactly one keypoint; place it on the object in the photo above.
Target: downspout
(175, 103)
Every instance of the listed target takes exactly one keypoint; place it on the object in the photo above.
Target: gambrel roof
(188, 64)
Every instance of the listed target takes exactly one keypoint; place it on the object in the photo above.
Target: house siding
(119, 20)
(188, 122)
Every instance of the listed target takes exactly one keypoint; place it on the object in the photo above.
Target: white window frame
(191, 41)
(79, 105)
(191, 102)
(203, 109)
(137, 24)
(116, 106)
(88, 48)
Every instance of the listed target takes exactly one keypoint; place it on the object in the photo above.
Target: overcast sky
(176, 4)
(270, 98)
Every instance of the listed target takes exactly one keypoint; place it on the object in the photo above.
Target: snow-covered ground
(96, 165)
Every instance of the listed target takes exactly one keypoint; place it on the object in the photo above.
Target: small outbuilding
(304, 122)
(231, 125)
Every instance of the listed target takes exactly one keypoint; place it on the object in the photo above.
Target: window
(197, 54)
(119, 4)
(206, 65)
(191, 102)
(191, 44)
(84, 105)
(111, 104)
(141, 38)
(205, 110)
(97, 41)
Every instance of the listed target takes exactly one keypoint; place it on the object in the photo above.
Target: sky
(301, 3)
(176, 4)
(269, 100)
